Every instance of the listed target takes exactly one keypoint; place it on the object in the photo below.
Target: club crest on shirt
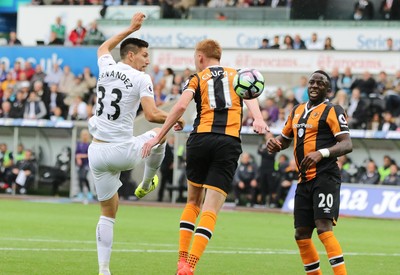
(315, 115)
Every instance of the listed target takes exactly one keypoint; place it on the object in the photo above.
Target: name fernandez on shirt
(119, 75)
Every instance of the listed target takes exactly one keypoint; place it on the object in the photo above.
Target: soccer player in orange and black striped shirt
(321, 134)
(212, 150)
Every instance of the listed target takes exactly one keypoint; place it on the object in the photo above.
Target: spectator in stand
(94, 36)
(363, 10)
(66, 81)
(384, 170)
(271, 108)
(18, 106)
(59, 28)
(266, 173)
(22, 175)
(90, 80)
(280, 98)
(390, 9)
(328, 44)
(8, 94)
(374, 123)
(245, 180)
(156, 74)
(341, 98)
(175, 93)
(389, 45)
(179, 81)
(276, 3)
(298, 43)
(290, 100)
(383, 83)
(394, 177)
(41, 91)
(13, 40)
(16, 70)
(357, 111)
(314, 43)
(183, 7)
(167, 81)
(371, 175)
(57, 115)
(29, 70)
(387, 123)
(334, 82)
(264, 44)
(39, 75)
(78, 109)
(54, 75)
(366, 84)
(34, 107)
(54, 40)
(276, 44)
(55, 99)
(77, 35)
(280, 123)
(287, 43)
(10, 81)
(5, 109)
(3, 72)
(301, 91)
(346, 80)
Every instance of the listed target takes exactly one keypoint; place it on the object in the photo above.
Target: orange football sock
(334, 251)
(309, 256)
(186, 228)
(202, 235)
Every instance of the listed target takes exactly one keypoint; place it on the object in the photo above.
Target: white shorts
(107, 160)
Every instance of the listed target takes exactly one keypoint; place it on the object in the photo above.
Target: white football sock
(152, 163)
(104, 237)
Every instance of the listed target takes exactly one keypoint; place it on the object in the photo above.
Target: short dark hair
(325, 74)
(132, 45)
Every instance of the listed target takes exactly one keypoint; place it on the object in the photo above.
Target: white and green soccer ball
(248, 83)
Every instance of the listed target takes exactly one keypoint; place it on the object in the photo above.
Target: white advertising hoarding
(34, 24)
(287, 61)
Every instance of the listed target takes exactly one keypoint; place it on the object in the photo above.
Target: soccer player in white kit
(121, 88)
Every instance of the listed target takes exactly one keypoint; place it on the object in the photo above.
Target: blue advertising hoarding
(75, 57)
(361, 200)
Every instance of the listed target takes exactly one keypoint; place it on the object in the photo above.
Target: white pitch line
(223, 250)
(261, 252)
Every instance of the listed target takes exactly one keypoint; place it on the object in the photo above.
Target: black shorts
(212, 159)
(316, 199)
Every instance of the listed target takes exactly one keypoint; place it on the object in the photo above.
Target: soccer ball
(248, 83)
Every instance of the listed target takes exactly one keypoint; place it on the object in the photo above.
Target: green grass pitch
(39, 238)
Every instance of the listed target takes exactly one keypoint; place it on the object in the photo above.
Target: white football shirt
(119, 89)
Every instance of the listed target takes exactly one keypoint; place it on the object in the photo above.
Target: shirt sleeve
(146, 86)
(105, 60)
(337, 121)
(287, 131)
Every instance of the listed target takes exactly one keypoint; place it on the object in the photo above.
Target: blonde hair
(210, 48)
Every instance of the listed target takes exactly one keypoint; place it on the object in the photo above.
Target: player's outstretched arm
(259, 125)
(173, 117)
(112, 42)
